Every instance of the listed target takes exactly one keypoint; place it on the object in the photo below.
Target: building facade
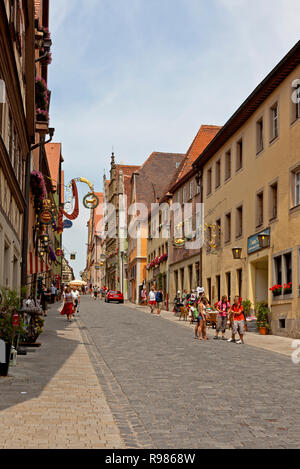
(44, 192)
(116, 197)
(185, 257)
(148, 184)
(16, 130)
(251, 191)
(96, 241)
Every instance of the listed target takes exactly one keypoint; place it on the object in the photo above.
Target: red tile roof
(155, 176)
(53, 153)
(204, 136)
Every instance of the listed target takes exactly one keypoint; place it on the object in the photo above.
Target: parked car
(114, 296)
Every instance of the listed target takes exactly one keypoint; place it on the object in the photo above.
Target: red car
(116, 296)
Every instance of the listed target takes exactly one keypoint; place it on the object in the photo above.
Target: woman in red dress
(68, 308)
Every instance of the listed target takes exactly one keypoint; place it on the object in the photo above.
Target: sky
(139, 76)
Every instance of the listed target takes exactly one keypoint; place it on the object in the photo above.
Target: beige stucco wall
(275, 162)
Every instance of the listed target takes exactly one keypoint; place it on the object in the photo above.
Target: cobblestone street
(157, 387)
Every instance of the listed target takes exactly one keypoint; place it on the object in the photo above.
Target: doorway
(260, 280)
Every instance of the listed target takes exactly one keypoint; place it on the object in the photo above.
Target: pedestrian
(223, 308)
(203, 305)
(159, 298)
(95, 292)
(144, 296)
(76, 297)
(152, 299)
(177, 302)
(45, 296)
(197, 319)
(68, 308)
(53, 293)
(238, 325)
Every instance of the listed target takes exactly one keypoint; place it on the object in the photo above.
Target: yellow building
(251, 186)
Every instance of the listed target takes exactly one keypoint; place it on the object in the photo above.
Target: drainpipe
(168, 259)
(26, 213)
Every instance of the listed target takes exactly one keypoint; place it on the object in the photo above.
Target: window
(176, 281)
(182, 279)
(298, 102)
(228, 285)
(297, 188)
(227, 165)
(218, 283)
(228, 228)
(273, 200)
(288, 267)
(218, 174)
(239, 155)
(209, 288)
(198, 187)
(295, 100)
(239, 276)
(259, 209)
(209, 181)
(191, 189)
(191, 276)
(274, 122)
(184, 195)
(259, 135)
(239, 221)
(198, 224)
(283, 273)
(278, 270)
(188, 227)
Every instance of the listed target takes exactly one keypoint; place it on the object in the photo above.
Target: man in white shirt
(152, 299)
(76, 297)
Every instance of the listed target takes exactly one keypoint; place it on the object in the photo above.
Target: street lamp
(237, 253)
(264, 240)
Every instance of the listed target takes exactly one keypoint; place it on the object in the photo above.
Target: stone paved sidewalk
(282, 345)
(64, 405)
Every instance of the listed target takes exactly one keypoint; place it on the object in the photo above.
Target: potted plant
(246, 308)
(262, 314)
(276, 290)
(9, 305)
(288, 288)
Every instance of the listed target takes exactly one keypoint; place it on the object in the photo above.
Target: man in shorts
(238, 325)
(152, 299)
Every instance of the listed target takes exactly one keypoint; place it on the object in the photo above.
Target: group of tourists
(198, 309)
(155, 300)
(98, 292)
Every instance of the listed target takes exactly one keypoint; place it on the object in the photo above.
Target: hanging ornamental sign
(67, 224)
(91, 201)
(46, 217)
(179, 242)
